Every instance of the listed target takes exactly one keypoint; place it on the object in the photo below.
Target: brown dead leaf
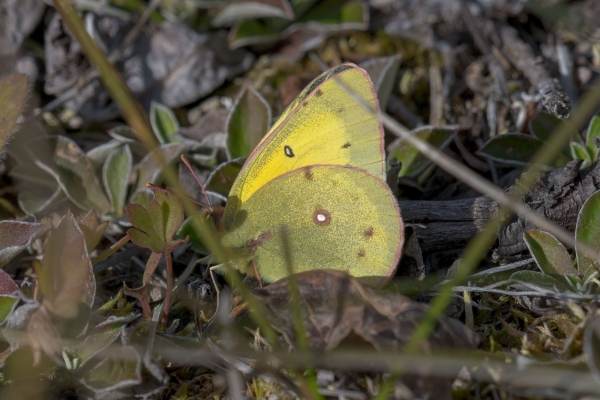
(335, 305)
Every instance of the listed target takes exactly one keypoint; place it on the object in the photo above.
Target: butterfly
(312, 195)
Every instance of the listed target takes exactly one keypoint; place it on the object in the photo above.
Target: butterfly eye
(288, 151)
(321, 218)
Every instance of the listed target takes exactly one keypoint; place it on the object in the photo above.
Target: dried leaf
(149, 170)
(13, 92)
(334, 305)
(248, 122)
(549, 254)
(18, 19)
(172, 75)
(588, 232)
(383, 71)
(591, 347)
(63, 159)
(15, 236)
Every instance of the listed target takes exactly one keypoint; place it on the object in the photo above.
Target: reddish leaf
(7, 285)
(66, 276)
(16, 236)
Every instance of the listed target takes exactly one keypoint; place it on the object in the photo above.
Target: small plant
(517, 149)
(154, 227)
(558, 272)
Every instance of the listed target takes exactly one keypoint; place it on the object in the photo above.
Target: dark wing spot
(346, 145)
(288, 151)
(318, 93)
(305, 104)
(321, 217)
(308, 174)
(340, 110)
(369, 232)
(362, 253)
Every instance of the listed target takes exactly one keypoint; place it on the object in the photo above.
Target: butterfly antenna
(187, 164)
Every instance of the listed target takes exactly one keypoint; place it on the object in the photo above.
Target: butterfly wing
(324, 125)
(328, 216)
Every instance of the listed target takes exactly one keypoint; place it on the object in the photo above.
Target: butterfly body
(312, 194)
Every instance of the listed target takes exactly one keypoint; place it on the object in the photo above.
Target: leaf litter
(485, 82)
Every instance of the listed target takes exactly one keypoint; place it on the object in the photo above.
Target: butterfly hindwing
(329, 216)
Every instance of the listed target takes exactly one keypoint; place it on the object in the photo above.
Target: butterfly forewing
(325, 125)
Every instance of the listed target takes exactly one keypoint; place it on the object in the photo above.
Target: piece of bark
(449, 225)
(552, 95)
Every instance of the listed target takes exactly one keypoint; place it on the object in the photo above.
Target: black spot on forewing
(288, 151)
(346, 145)
(369, 232)
(319, 93)
(361, 253)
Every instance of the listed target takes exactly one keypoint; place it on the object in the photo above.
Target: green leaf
(114, 373)
(104, 334)
(335, 15)
(66, 275)
(92, 231)
(593, 132)
(579, 151)
(588, 231)
(253, 32)
(15, 236)
(13, 92)
(63, 159)
(169, 213)
(115, 174)
(543, 125)
(248, 122)
(383, 71)
(187, 230)
(98, 154)
(221, 179)
(8, 303)
(514, 149)
(35, 201)
(163, 122)
(155, 226)
(549, 254)
(142, 197)
(413, 162)
(241, 10)
(538, 281)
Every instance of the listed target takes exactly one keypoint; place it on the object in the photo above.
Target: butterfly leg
(256, 273)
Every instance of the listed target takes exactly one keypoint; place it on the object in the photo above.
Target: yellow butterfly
(315, 185)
